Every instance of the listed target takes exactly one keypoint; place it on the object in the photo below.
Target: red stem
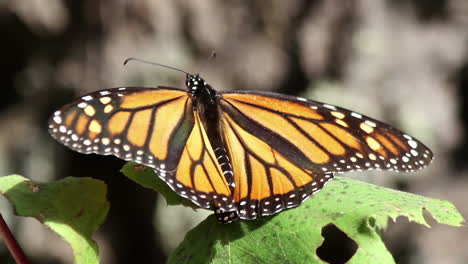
(11, 243)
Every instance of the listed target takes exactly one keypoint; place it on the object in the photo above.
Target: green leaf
(72, 207)
(357, 208)
(147, 178)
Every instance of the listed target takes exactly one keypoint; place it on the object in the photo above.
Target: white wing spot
(370, 123)
(87, 97)
(413, 143)
(356, 115)
(105, 141)
(57, 119)
(407, 137)
(82, 105)
(329, 106)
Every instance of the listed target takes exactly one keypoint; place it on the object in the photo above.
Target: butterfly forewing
(324, 138)
(130, 123)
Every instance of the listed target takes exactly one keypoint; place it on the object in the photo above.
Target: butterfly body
(243, 154)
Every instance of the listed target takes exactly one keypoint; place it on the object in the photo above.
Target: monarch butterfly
(244, 154)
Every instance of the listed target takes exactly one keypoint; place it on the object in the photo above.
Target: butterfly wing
(266, 182)
(199, 176)
(325, 138)
(156, 127)
(283, 149)
(131, 123)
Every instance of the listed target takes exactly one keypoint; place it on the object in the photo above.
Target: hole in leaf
(337, 247)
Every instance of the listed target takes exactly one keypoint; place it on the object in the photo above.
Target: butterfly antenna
(154, 63)
(210, 58)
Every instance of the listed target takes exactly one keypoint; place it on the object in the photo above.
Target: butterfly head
(200, 89)
(195, 83)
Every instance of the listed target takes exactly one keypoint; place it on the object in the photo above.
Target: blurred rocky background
(402, 61)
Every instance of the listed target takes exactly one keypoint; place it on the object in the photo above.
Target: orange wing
(324, 138)
(266, 182)
(155, 127)
(199, 176)
(138, 124)
(283, 149)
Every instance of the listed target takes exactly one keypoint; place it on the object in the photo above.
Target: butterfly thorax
(205, 99)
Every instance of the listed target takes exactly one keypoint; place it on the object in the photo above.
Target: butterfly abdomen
(225, 163)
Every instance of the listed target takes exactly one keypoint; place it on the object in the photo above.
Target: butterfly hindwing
(199, 176)
(266, 182)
